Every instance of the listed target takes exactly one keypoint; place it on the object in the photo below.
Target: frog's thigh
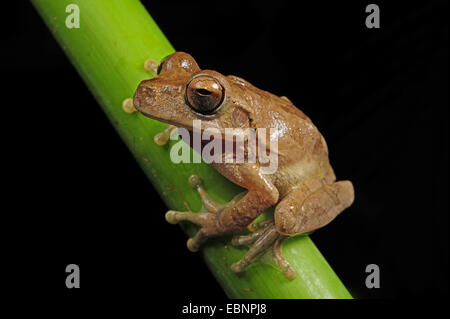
(300, 213)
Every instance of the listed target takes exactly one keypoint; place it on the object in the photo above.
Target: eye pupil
(204, 95)
(203, 92)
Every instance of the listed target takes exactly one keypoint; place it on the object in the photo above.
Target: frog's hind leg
(283, 264)
(312, 206)
(262, 239)
(256, 228)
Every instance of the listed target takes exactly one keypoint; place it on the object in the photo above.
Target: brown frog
(303, 188)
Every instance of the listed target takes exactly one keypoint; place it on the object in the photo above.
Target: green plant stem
(108, 50)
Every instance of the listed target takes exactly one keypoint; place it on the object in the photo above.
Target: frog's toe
(241, 240)
(194, 243)
(151, 66)
(192, 246)
(262, 240)
(163, 137)
(195, 181)
(290, 274)
(282, 263)
(127, 106)
(256, 226)
(211, 205)
(160, 139)
(238, 267)
(257, 230)
(171, 217)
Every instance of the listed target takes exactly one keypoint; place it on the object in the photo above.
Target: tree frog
(303, 189)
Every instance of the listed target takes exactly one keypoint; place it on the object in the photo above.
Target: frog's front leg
(211, 206)
(235, 216)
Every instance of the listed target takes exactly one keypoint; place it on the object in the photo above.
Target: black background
(379, 96)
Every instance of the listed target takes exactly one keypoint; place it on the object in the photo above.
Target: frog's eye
(204, 94)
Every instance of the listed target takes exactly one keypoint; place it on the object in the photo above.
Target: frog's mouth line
(189, 128)
(224, 139)
(178, 124)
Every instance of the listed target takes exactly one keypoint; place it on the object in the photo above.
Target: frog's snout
(142, 92)
(136, 102)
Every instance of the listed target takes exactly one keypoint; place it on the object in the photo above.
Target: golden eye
(204, 94)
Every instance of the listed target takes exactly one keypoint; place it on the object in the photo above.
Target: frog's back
(295, 131)
(259, 99)
(302, 150)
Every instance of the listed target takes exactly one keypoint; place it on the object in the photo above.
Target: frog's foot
(263, 237)
(256, 228)
(163, 137)
(206, 220)
(203, 219)
(277, 254)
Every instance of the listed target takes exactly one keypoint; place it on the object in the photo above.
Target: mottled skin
(303, 188)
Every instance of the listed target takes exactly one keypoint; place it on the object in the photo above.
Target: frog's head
(182, 92)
